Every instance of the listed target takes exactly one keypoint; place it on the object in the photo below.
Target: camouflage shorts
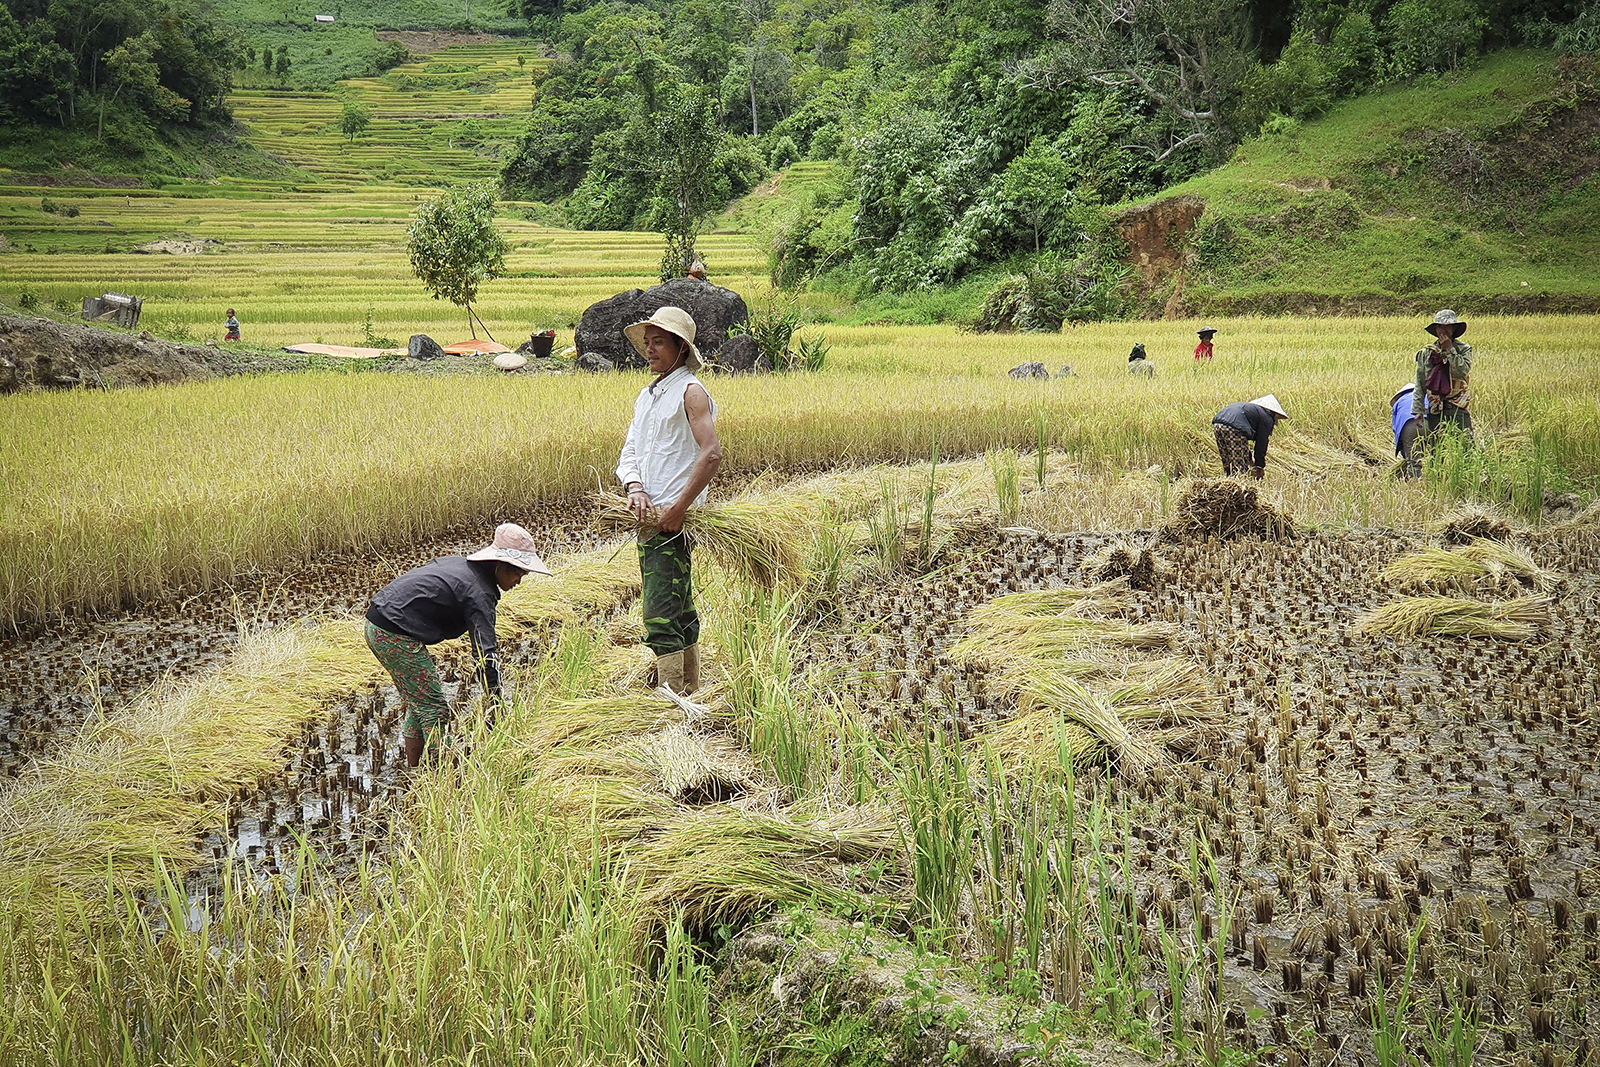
(667, 596)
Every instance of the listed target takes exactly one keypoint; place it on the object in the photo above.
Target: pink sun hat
(514, 545)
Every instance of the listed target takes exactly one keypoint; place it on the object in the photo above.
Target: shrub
(1354, 55)
(1054, 291)
(28, 300)
(1432, 35)
(782, 153)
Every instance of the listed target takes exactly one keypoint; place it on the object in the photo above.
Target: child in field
(451, 596)
(1202, 351)
(233, 327)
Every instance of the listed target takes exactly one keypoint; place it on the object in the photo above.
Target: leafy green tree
(36, 74)
(1039, 183)
(686, 143)
(283, 60)
(1186, 57)
(130, 66)
(354, 119)
(455, 245)
(1432, 35)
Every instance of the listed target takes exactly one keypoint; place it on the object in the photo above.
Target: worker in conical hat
(1242, 431)
(1444, 375)
(668, 459)
(440, 600)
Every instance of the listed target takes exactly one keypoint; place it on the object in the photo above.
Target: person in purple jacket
(442, 599)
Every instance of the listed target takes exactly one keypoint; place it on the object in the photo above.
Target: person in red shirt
(1203, 349)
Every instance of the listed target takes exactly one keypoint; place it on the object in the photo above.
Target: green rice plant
(1112, 949)
(885, 528)
(1415, 616)
(1391, 1023)
(1452, 1039)
(1038, 449)
(938, 830)
(689, 1033)
(1006, 490)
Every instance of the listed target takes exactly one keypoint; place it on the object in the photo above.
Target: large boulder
(715, 310)
(424, 347)
(740, 354)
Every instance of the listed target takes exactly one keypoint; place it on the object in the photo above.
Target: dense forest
(966, 134)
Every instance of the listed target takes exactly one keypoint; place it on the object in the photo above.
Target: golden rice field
(123, 496)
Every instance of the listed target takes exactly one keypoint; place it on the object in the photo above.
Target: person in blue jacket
(1406, 429)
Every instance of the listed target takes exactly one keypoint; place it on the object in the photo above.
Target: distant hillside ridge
(1478, 190)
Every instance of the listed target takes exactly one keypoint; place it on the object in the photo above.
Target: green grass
(1349, 212)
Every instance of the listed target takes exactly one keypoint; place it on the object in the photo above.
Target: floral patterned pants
(1237, 450)
(416, 676)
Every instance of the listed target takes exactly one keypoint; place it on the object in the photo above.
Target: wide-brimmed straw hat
(1402, 391)
(514, 545)
(675, 321)
(1446, 317)
(1270, 402)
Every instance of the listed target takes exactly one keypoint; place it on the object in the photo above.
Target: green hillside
(1479, 190)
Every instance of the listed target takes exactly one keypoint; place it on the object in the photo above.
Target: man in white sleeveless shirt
(668, 458)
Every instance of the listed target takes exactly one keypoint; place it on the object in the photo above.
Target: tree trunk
(755, 129)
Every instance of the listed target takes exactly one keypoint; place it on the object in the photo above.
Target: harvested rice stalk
(1055, 692)
(582, 584)
(1432, 567)
(697, 769)
(760, 542)
(1224, 509)
(1414, 616)
(1301, 455)
(142, 784)
(723, 866)
(1468, 523)
(998, 639)
(1102, 599)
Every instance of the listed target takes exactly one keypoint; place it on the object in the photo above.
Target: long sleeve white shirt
(660, 450)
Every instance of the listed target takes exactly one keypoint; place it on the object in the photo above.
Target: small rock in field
(1065, 371)
(593, 362)
(424, 347)
(1029, 370)
(510, 361)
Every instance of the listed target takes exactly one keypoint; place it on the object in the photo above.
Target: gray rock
(424, 347)
(740, 354)
(593, 362)
(714, 309)
(1029, 370)
(1065, 371)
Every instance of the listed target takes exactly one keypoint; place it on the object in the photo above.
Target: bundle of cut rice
(1474, 562)
(1414, 616)
(759, 542)
(1224, 509)
(1468, 523)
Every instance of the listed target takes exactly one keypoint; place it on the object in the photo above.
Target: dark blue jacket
(443, 599)
(1252, 420)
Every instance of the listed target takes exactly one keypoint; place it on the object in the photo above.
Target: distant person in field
(450, 596)
(1203, 351)
(1242, 431)
(1406, 427)
(1139, 363)
(1442, 392)
(697, 269)
(668, 458)
(233, 327)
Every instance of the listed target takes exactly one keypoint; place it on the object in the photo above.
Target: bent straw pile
(1480, 560)
(143, 784)
(755, 540)
(1094, 699)
(1469, 523)
(1418, 615)
(1224, 509)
